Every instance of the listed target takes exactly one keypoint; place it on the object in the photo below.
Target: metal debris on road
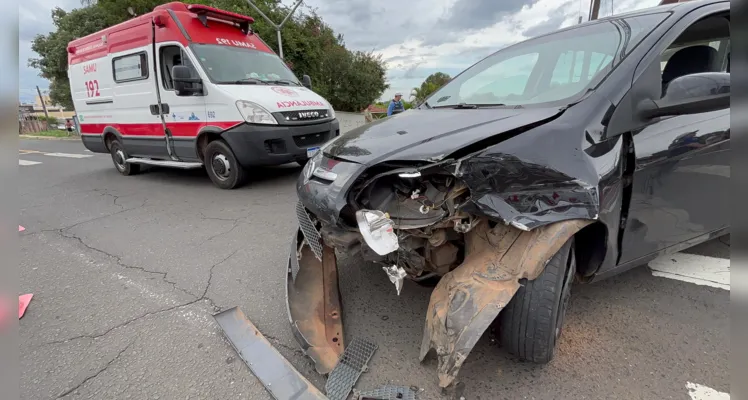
(278, 376)
(396, 275)
(352, 363)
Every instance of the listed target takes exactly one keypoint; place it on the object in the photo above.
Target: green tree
(430, 85)
(349, 80)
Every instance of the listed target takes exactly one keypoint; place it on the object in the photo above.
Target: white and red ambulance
(188, 86)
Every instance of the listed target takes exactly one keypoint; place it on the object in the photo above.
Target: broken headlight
(378, 231)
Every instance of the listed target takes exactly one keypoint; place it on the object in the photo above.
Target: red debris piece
(23, 302)
(21, 229)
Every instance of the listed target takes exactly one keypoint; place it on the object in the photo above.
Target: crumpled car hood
(430, 135)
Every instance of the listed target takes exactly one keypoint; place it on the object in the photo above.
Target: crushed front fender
(470, 297)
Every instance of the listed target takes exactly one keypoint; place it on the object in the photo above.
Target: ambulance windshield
(236, 65)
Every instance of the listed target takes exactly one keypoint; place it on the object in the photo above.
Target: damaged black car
(557, 161)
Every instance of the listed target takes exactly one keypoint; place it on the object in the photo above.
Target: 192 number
(92, 88)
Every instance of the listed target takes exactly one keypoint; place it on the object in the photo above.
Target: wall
(349, 120)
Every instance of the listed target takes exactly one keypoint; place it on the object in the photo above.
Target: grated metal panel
(388, 392)
(311, 234)
(294, 259)
(351, 365)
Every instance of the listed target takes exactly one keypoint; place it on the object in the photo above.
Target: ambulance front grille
(305, 115)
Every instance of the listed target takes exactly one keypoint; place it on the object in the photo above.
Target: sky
(415, 38)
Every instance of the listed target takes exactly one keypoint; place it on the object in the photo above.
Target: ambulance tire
(222, 167)
(531, 324)
(119, 155)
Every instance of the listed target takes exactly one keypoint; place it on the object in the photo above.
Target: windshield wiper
(287, 81)
(465, 106)
(247, 81)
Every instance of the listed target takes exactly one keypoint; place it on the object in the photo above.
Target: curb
(46, 137)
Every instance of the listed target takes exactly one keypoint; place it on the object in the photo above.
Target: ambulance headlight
(332, 113)
(255, 113)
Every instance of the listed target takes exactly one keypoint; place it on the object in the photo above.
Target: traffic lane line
(701, 392)
(693, 268)
(27, 162)
(68, 155)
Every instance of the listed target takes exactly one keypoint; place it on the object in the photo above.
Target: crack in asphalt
(279, 343)
(65, 233)
(97, 373)
(203, 297)
(118, 259)
(236, 224)
(124, 324)
(210, 276)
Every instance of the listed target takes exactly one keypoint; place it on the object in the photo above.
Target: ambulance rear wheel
(119, 156)
(222, 167)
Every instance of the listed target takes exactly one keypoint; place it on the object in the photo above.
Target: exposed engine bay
(412, 220)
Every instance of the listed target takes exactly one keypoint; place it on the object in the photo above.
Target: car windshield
(237, 65)
(551, 68)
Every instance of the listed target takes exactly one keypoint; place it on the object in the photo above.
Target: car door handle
(164, 108)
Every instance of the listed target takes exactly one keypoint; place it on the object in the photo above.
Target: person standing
(396, 105)
(69, 126)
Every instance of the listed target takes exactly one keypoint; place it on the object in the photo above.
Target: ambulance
(191, 86)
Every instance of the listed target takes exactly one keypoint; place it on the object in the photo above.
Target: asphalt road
(126, 273)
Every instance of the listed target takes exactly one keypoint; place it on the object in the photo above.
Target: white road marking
(27, 162)
(701, 392)
(68, 155)
(701, 270)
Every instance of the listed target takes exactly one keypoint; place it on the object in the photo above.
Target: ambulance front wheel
(222, 167)
(119, 157)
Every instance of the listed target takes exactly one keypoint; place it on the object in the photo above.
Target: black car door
(682, 172)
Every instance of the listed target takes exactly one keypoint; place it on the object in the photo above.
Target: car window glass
(506, 78)
(702, 47)
(171, 56)
(549, 68)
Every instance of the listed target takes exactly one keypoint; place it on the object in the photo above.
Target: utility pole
(594, 9)
(277, 27)
(44, 106)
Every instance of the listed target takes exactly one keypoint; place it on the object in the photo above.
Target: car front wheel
(531, 324)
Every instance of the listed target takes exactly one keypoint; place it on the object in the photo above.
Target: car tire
(222, 167)
(531, 324)
(119, 155)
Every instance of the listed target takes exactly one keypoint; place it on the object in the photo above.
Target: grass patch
(55, 133)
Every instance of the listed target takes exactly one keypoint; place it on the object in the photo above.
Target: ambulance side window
(171, 56)
(132, 67)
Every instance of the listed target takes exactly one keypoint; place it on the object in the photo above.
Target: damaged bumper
(462, 306)
(313, 303)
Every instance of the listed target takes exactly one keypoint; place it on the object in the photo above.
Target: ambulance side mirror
(306, 81)
(184, 83)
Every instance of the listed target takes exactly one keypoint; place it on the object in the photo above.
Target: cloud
(34, 18)
(478, 14)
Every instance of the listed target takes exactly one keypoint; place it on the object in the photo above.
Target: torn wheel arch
(468, 299)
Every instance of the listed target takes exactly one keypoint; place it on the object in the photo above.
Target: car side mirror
(184, 83)
(690, 94)
(306, 81)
